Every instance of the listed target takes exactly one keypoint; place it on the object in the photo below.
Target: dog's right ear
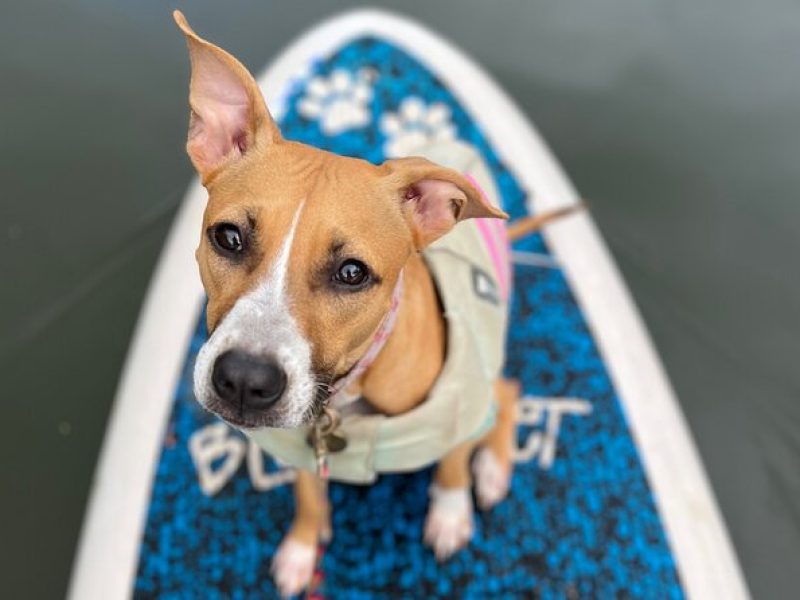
(229, 117)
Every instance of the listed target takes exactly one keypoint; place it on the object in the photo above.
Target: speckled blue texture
(587, 527)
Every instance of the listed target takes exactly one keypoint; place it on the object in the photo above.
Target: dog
(331, 284)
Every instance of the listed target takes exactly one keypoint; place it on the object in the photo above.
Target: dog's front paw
(293, 567)
(492, 478)
(449, 525)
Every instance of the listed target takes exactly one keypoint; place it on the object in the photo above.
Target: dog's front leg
(293, 564)
(449, 524)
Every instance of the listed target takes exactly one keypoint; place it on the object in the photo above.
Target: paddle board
(608, 499)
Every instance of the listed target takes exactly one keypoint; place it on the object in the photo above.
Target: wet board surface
(594, 510)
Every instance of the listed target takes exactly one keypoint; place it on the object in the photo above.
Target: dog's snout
(248, 381)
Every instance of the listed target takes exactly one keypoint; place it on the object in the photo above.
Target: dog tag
(335, 442)
(323, 437)
(326, 442)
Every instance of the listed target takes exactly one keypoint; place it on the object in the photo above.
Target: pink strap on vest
(378, 342)
(493, 232)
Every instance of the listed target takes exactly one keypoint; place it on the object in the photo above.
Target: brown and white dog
(299, 255)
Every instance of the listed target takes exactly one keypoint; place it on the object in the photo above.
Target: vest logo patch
(485, 286)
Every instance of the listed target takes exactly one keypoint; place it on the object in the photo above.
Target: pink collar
(338, 387)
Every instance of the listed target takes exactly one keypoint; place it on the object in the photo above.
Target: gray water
(678, 120)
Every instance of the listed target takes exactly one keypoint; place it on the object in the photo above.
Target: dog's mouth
(278, 416)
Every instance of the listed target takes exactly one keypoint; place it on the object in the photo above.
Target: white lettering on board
(217, 450)
(208, 446)
(543, 443)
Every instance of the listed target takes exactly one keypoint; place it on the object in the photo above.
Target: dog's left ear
(435, 198)
(229, 116)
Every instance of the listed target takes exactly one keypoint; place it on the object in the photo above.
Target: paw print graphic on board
(338, 102)
(415, 124)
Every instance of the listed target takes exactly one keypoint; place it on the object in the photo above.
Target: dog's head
(300, 249)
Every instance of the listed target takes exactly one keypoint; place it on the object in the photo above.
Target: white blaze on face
(261, 324)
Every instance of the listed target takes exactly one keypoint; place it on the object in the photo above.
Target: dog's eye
(352, 272)
(227, 238)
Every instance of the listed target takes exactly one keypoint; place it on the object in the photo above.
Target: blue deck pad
(579, 523)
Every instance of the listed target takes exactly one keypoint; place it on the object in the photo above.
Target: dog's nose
(256, 383)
